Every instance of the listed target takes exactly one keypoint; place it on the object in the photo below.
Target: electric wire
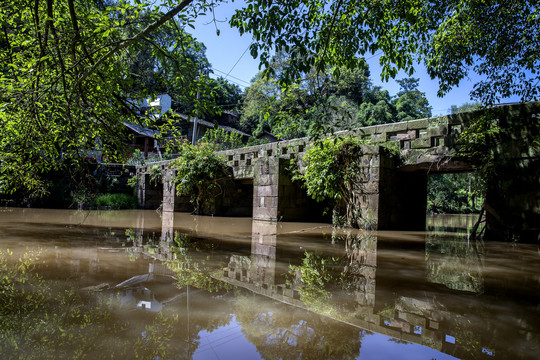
(238, 79)
(240, 58)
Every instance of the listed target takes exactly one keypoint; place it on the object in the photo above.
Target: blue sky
(229, 54)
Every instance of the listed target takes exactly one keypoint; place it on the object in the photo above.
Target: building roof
(211, 124)
(141, 130)
(268, 135)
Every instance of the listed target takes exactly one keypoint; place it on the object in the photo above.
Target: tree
(497, 39)
(354, 84)
(374, 114)
(268, 106)
(323, 103)
(410, 102)
(454, 109)
(200, 173)
(168, 61)
(67, 81)
(226, 95)
(258, 98)
(454, 193)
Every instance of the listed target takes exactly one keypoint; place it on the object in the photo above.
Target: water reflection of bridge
(437, 297)
(412, 320)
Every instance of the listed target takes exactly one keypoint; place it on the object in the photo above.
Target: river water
(134, 284)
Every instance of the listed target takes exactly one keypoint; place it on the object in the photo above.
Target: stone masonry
(391, 191)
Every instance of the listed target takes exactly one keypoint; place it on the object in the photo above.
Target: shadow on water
(134, 285)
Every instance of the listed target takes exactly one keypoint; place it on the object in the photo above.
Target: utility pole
(194, 136)
(203, 71)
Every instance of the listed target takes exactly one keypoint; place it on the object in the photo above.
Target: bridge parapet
(274, 195)
(413, 134)
(438, 133)
(243, 160)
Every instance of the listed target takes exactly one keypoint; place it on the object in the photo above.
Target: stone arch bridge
(394, 189)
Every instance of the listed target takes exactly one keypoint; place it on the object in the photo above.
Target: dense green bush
(331, 167)
(117, 201)
(199, 171)
(330, 164)
(222, 139)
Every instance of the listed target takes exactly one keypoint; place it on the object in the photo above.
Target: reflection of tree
(295, 333)
(339, 287)
(176, 335)
(194, 263)
(150, 344)
(455, 263)
(312, 278)
(45, 319)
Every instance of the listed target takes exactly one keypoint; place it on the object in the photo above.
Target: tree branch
(127, 42)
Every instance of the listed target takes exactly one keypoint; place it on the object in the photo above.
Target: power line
(372, 56)
(247, 84)
(223, 72)
(240, 58)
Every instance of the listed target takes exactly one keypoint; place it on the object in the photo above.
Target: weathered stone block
(366, 160)
(264, 213)
(363, 174)
(440, 130)
(436, 121)
(265, 190)
(243, 172)
(402, 137)
(412, 319)
(265, 201)
(271, 201)
(374, 175)
(418, 124)
(420, 143)
(375, 161)
(268, 179)
(396, 127)
(375, 138)
(370, 187)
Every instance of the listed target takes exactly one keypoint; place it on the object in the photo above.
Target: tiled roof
(142, 130)
(209, 124)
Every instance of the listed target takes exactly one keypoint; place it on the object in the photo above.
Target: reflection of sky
(377, 346)
(226, 342)
(229, 342)
(141, 298)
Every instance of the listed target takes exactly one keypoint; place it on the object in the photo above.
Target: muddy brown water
(134, 284)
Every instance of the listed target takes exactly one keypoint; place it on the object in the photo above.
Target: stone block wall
(266, 189)
(276, 197)
(363, 207)
(384, 197)
(171, 201)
